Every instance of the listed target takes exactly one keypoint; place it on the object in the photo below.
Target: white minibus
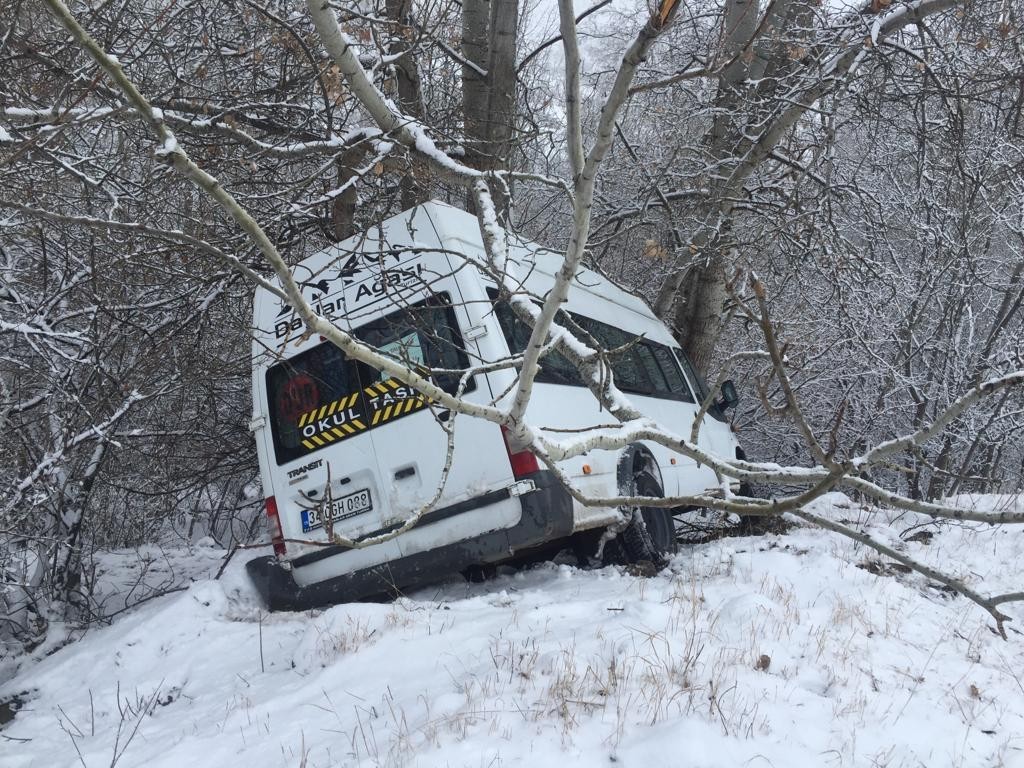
(345, 450)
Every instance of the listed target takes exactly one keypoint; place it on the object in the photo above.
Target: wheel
(757, 525)
(650, 535)
(479, 573)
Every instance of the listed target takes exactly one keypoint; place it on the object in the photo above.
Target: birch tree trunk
(703, 295)
(410, 94)
(489, 37)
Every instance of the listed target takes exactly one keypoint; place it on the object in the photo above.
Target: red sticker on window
(299, 395)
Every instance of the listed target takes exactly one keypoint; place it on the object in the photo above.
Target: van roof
(437, 225)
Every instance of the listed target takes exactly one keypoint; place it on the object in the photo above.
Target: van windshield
(320, 397)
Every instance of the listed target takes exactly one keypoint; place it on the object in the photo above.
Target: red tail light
(523, 462)
(274, 526)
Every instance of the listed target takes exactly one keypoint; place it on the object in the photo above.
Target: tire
(755, 525)
(478, 574)
(651, 534)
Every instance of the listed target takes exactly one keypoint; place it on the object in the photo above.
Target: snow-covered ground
(767, 651)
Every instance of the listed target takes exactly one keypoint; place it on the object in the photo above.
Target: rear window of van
(320, 397)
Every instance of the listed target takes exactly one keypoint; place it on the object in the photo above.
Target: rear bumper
(547, 516)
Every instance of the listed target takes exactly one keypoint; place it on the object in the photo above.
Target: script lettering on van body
(294, 324)
(388, 281)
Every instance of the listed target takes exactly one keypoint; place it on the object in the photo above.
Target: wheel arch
(636, 458)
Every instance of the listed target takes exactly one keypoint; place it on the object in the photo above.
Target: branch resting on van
(411, 134)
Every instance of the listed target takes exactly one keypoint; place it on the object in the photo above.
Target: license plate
(339, 509)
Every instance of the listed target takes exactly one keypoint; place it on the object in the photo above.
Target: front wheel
(757, 525)
(650, 535)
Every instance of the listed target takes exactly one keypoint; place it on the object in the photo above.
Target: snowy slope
(770, 651)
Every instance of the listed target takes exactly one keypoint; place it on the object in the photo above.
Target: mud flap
(275, 584)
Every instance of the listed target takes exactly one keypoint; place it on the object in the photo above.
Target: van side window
(645, 352)
(634, 365)
(320, 397)
(554, 367)
(673, 375)
(639, 366)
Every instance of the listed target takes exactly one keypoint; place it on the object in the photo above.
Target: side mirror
(730, 397)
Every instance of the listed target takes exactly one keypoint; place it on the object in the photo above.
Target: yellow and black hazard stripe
(382, 387)
(400, 408)
(391, 411)
(339, 432)
(346, 401)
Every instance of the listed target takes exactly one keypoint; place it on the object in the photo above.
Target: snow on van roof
(437, 225)
(456, 224)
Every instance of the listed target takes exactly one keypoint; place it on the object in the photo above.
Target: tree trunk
(699, 315)
(699, 307)
(343, 211)
(489, 36)
(475, 15)
(501, 91)
(410, 93)
(747, 113)
(937, 482)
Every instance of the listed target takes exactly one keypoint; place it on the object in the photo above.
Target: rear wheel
(479, 573)
(650, 535)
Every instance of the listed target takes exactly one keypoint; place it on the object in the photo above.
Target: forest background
(823, 201)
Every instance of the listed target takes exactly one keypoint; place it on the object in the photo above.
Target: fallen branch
(988, 603)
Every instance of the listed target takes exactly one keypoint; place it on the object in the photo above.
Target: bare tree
(256, 173)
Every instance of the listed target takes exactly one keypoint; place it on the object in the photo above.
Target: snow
(426, 146)
(26, 113)
(34, 330)
(169, 146)
(776, 651)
